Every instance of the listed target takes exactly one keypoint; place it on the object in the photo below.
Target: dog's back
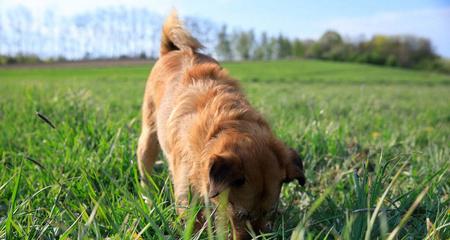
(192, 95)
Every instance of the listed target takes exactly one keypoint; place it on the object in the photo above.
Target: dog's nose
(268, 226)
(263, 226)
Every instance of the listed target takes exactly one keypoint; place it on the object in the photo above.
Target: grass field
(375, 144)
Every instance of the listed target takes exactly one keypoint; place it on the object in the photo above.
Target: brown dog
(211, 136)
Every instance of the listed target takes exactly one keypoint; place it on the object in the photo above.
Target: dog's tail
(176, 37)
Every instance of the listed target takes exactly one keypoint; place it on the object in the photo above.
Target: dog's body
(211, 136)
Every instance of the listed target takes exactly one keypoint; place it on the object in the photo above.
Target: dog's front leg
(187, 200)
(181, 189)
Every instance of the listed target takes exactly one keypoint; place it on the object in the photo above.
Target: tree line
(406, 51)
(117, 33)
(110, 32)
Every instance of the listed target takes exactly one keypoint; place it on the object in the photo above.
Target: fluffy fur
(211, 136)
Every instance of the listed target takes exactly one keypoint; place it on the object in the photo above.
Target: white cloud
(393, 22)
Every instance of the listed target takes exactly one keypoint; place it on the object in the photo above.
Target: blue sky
(303, 19)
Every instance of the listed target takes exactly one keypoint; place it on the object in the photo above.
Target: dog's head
(253, 173)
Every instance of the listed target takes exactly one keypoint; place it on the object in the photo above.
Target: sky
(294, 18)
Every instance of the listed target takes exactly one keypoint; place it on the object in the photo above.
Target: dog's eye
(239, 182)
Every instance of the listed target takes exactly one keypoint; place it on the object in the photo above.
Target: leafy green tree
(262, 51)
(284, 47)
(223, 47)
(244, 44)
(298, 48)
(330, 45)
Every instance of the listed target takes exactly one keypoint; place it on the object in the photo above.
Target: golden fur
(211, 136)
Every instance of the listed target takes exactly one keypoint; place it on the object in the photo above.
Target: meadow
(374, 141)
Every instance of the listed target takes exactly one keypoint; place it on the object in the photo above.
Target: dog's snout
(268, 226)
(261, 225)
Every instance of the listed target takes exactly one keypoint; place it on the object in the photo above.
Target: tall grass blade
(299, 231)
(9, 220)
(69, 230)
(380, 203)
(91, 218)
(408, 214)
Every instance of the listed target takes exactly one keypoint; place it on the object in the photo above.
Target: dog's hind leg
(148, 146)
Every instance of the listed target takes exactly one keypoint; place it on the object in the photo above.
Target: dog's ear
(294, 168)
(224, 171)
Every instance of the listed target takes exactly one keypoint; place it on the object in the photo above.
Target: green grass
(375, 143)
